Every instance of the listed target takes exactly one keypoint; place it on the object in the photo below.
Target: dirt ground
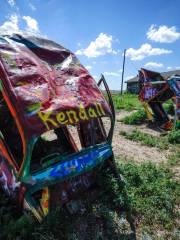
(134, 150)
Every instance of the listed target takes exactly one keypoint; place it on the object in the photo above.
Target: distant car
(52, 135)
(155, 90)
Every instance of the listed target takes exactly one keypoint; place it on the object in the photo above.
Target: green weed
(126, 101)
(174, 136)
(152, 192)
(135, 118)
(173, 159)
(146, 139)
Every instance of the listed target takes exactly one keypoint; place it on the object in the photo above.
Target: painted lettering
(92, 113)
(45, 117)
(72, 116)
(61, 118)
(97, 109)
(99, 106)
(82, 113)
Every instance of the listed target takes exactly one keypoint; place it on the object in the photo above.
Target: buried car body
(52, 135)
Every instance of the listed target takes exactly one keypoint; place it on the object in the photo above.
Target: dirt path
(133, 150)
(142, 127)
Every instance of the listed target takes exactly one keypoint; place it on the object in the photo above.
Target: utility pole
(122, 81)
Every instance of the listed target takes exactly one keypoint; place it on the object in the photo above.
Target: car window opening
(54, 145)
(50, 147)
(92, 132)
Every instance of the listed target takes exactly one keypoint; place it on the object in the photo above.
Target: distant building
(133, 86)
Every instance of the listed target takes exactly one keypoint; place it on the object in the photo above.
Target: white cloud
(163, 34)
(10, 26)
(153, 65)
(11, 3)
(32, 24)
(114, 74)
(144, 51)
(88, 67)
(173, 68)
(100, 46)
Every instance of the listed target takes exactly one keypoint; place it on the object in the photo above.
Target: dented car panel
(51, 122)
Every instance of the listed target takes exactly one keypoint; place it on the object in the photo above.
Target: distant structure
(133, 86)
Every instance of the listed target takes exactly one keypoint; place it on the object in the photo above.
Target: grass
(152, 196)
(174, 157)
(137, 117)
(146, 139)
(162, 142)
(126, 102)
(174, 136)
(129, 102)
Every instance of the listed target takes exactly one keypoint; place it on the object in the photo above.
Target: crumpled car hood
(47, 85)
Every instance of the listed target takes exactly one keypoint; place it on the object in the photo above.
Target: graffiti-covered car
(155, 90)
(52, 135)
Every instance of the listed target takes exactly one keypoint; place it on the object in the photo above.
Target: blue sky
(99, 30)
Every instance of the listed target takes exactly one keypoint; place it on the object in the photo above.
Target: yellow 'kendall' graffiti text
(71, 116)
